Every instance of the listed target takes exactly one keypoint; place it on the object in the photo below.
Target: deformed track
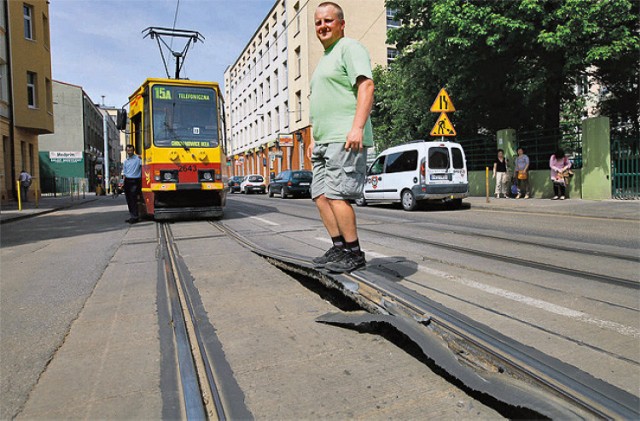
(512, 373)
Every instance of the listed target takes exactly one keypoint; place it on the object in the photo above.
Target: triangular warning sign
(443, 103)
(443, 127)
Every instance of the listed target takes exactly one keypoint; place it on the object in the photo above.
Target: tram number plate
(187, 168)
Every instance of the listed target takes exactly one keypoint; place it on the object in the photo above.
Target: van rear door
(438, 165)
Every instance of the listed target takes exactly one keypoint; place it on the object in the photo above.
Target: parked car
(291, 183)
(418, 171)
(253, 183)
(234, 183)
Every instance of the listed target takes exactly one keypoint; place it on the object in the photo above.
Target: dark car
(291, 183)
(234, 183)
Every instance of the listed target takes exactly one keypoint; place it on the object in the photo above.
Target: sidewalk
(611, 209)
(9, 211)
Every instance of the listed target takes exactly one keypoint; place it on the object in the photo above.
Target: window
(49, 92)
(392, 53)
(402, 161)
(378, 166)
(298, 62)
(392, 22)
(298, 106)
(28, 21)
(269, 123)
(276, 118)
(296, 9)
(45, 30)
(31, 90)
(275, 82)
(438, 158)
(458, 160)
(286, 114)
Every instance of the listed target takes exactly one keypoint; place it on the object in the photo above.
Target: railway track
(209, 392)
(513, 375)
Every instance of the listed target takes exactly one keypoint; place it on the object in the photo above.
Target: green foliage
(506, 64)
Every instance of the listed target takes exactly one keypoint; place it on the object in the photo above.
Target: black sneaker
(349, 261)
(331, 255)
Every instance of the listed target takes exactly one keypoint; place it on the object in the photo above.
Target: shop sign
(72, 157)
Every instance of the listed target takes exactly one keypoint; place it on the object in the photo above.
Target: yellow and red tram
(176, 128)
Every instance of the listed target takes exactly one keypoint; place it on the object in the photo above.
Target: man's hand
(354, 139)
(312, 145)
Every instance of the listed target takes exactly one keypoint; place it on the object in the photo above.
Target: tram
(176, 128)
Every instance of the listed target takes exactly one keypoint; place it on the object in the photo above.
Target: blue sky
(99, 45)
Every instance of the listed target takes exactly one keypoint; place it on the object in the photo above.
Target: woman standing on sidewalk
(559, 163)
(521, 172)
(500, 175)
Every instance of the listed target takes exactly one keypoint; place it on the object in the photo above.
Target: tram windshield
(184, 117)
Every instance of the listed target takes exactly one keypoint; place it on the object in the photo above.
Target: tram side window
(136, 131)
(438, 158)
(402, 161)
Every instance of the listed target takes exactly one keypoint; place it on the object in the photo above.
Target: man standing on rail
(341, 100)
(132, 171)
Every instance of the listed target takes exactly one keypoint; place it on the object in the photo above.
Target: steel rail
(591, 395)
(208, 384)
(193, 403)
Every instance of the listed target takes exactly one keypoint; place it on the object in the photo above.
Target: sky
(99, 44)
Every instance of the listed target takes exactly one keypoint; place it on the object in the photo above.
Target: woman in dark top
(500, 175)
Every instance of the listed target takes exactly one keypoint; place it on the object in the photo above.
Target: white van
(418, 171)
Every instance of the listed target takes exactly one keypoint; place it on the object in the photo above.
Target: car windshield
(236, 178)
(303, 176)
(256, 178)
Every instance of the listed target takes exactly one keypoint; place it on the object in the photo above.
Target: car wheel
(409, 202)
(283, 193)
(270, 192)
(361, 201)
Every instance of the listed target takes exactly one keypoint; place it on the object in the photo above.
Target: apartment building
(267, 88)
(26, 104)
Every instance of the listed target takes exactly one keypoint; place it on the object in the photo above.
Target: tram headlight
(206, 175)
(168, 176)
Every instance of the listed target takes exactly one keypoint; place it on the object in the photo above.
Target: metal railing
(539, 145)
(625, 168)
(63, 186)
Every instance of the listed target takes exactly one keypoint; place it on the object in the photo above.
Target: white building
(267, 88)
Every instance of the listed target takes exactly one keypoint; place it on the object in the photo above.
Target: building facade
(76, 150)
(26, 98)
(267, 88)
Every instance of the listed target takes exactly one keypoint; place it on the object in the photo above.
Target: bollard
(487, 184)
(19, 198)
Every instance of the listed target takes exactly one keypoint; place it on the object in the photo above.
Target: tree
(508, 63)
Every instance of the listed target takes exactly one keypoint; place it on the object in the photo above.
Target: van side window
(402, 161)
(458, 161)
(438, 158)
(378, 166)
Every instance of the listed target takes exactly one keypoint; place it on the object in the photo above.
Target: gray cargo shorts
(338, 173)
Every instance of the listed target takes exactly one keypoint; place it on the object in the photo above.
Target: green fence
(625, 168)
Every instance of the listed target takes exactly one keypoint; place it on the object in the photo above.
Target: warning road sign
(443, 103)
(443, 127)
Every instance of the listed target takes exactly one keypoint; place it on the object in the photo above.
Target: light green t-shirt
(333, 92)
